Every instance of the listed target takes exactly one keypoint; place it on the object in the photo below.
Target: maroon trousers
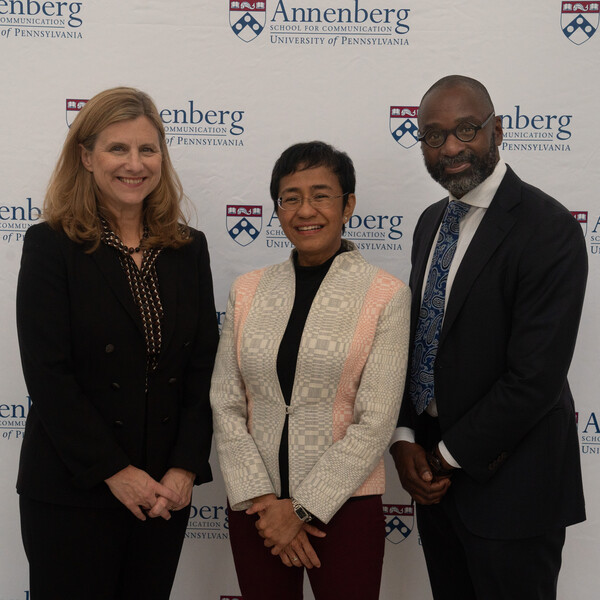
(351, 556)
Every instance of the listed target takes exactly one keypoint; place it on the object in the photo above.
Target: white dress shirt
(479, 199)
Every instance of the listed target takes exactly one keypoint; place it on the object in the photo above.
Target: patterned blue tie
(431, 314)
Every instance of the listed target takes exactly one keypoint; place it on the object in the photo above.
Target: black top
(308, 281)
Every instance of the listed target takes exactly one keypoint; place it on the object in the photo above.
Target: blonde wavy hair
(71, 201)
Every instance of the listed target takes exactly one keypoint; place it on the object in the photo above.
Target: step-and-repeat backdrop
(237, 82)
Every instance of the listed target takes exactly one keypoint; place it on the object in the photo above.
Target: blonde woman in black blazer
(117, 332)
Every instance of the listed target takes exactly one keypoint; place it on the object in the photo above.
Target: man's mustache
(450, 161)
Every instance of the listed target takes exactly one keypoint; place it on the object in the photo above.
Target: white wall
(295, 81)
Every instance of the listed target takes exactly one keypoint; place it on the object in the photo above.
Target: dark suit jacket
(84, 360)
(505, 408)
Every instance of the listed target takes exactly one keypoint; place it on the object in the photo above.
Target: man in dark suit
(486, 441)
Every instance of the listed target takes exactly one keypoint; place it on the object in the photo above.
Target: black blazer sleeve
(77, 431)
(192, 448)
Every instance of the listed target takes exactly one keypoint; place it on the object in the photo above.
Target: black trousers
(467, 567)
(99, 554)
(464, 566)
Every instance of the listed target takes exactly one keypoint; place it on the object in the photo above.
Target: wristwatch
(300, 511)
(436, 465)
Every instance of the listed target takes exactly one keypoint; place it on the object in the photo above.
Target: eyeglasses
(293, 202)
(465, 132)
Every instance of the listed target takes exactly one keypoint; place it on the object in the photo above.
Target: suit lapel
(167, 269)
(108, 262)
(494, 227)
(424, 239)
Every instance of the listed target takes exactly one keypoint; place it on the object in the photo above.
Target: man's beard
(458, 184)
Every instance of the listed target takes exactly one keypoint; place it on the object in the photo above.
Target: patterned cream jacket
(347, 389)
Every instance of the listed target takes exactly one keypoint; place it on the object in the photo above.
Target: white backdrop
(236, 87)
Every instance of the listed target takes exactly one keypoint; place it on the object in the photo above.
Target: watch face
(302, 514)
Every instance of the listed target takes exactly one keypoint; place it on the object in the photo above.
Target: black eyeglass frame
(310, 200)
(454, 132)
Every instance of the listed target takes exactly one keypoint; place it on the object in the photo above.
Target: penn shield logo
(399, 521)
(403, 125)
(74, 105)
(581, 216)
(247, 19)
(244, 223)
(579, 20)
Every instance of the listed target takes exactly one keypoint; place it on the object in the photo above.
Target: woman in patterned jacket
(306, 390)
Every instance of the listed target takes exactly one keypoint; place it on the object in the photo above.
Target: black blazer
(505, 408)
(84, 360)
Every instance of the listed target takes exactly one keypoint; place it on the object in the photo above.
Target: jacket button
(165, 419)
(109, 348)
(498, 461)
(119, 423)
(115, 386)
(173, 380)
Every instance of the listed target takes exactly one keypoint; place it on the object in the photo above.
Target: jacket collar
(107, 260)
(494, 227)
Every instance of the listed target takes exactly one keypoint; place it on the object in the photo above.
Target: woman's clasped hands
(284, 532)
(143, 495)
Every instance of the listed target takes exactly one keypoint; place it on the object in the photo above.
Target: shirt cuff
(403, 434)
(446, 455)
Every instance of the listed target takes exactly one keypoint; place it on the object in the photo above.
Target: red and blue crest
(403, 125)
(579, 20)
(247, 18)
(244, 223)
(74, 105)
(581, 216)
(399, 521)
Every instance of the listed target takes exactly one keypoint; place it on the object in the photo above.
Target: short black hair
(462, 81)
(309, 155)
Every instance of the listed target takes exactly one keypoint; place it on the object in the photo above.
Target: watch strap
(300, 511)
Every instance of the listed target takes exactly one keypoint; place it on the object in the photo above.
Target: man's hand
(415, 473)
